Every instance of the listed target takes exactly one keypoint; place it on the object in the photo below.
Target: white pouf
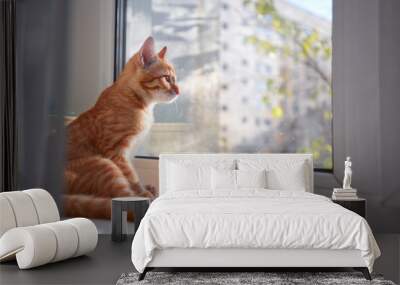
(31, 232)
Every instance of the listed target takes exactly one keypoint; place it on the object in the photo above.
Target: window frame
(324, 178)
(120, 36)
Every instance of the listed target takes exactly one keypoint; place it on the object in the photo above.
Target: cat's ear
(147, 54)
(162, 52)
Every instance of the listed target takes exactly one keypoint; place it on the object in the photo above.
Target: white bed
(202, 220)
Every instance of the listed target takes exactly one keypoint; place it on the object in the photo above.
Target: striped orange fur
(100, 140)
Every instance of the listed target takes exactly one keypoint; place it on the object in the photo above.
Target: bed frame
(245, 259)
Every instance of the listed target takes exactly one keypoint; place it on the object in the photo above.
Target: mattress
(250, 219)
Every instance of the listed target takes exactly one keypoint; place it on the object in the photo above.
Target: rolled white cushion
(67, 240)
(7, 218)
(33, 246)
(37, 245)
(23, 208)
(87, 235)
(45, 205)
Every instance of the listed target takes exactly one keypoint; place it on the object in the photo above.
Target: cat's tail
(88, 206)
(82, 205)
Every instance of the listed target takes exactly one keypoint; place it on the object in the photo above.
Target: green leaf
(316, 155)
(251, 40)
(327, 115)
(277, 112)
(270, 84)
(328, 148)
(265, 100)
(246, 2)
(277, 24)
(327, 53)
(264, 7)
(315, 144)
(328, 163)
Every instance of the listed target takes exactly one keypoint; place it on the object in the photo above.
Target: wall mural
(256, 78)
(101, 140)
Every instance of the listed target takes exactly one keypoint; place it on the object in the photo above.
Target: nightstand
(357, 205)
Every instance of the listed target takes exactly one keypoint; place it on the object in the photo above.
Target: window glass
(255, 76)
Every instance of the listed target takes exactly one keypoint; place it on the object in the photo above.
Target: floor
(103, 266)
(110, 260)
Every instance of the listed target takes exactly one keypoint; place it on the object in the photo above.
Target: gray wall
(389, 85)
(366, 84)
(91, 26)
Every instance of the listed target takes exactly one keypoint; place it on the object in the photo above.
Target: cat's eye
(168, 78)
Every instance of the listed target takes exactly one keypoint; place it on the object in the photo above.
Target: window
(255, 75)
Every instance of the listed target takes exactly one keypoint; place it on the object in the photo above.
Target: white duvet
(250, 219)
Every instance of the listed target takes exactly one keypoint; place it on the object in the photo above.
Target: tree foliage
(298, 44)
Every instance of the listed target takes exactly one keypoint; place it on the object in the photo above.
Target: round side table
(119, 208)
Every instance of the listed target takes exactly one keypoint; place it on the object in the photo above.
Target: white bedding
(250, 219)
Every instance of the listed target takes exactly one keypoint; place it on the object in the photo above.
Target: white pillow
(292, 179)
(251, 178)
(223, 179)
(188, 177)
(282, 174)
(226, 179)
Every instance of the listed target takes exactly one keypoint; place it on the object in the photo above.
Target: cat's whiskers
(176, 107)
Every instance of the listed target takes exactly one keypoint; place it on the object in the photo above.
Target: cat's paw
(148, 194)
(152, 190)
(139, 190)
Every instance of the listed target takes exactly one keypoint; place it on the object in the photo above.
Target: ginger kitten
(100, 140)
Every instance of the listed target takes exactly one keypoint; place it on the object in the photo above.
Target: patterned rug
(273, 278)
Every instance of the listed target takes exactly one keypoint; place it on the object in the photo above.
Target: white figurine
(347, 174)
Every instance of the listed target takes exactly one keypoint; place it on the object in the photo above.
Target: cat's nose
(175, 88)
